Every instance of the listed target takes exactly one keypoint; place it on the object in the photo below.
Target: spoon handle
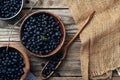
(80, 30)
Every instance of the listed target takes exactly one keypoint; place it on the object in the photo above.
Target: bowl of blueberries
(42, 33)
(10, 8)
(14, 63)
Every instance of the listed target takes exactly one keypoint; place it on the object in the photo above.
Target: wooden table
(70, 69)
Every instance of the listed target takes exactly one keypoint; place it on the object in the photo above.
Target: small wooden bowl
(62, 31)
(25, 58)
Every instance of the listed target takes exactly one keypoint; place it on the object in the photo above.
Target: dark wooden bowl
(62, 31)
(25, 58)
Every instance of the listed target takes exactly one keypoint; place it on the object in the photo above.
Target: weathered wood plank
(73, 52)
(64, 78)
(46, 4)
(67, 65)
(64, 15)
(71, 72)
(116, 78)
(76, 78)
(66, 69)
(4, 35)
(77, 73)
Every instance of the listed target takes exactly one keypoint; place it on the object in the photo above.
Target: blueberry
(44, 75)
(57, 74)
(56, 34)
(42, 64)
(16, 69)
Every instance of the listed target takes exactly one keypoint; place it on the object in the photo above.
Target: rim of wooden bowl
(25, 58)
(62, 30)
(15, 14)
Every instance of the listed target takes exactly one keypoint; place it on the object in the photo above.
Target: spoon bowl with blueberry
(42, 33)
(10, 8)
(14, 63)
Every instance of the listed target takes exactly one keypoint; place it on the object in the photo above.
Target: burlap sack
(100, 50)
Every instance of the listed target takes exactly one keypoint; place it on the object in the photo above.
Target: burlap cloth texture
(100, 49)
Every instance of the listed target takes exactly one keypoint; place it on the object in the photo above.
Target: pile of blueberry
(53, 62)
(41, 33)
(9, 8)
(11, 64)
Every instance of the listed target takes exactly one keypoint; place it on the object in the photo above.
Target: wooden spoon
(56, 61)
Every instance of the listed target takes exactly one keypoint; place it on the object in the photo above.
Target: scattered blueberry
(42, 64)
(41, 33)
(57, 74)
(11, 64)
(9, 8)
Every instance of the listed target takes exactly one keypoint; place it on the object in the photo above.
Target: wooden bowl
(62, 31)
(25, 58)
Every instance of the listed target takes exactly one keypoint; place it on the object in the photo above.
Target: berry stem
(43, 38)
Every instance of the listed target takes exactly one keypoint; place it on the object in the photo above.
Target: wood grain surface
(70, 69)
